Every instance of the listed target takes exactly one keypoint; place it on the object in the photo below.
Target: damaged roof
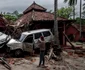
(37, 16)
(3, 21)
(35, 7)
(36, 12)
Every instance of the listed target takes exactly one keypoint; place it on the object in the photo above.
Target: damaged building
(37, 17)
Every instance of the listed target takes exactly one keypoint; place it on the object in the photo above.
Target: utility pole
(56, 22)
(73, 9)
(80, 16)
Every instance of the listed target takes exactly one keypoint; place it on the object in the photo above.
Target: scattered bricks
(76, 65)
(51, 62)
(75, 56)
(80, 55)
(58, 68)
(78, 52)
(70, 53)
(33, 60)
(54, 67)
(47, 68)
(63, 68)
(65, 53)
(11, 61)
(23, 61)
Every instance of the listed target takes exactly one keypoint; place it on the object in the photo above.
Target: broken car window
(47, 33)
(29, 39)
(38, 35)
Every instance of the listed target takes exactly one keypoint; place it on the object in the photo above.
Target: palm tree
(80, 17)
(83, 10)
(72, 3)
(56, 22)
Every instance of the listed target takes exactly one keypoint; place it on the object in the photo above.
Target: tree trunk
(73, 11)
(80, 17)
(56, 22)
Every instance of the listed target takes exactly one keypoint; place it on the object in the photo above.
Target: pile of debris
(70, 61)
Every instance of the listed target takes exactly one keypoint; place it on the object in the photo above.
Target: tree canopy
(78, 21)
(83, 13)
(65, 12)
(12, 16)
(71, 2)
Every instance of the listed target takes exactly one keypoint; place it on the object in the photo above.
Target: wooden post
(63, 35)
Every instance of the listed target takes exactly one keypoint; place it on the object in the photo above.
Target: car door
(47, 36)
(36, 38)
(28, 43)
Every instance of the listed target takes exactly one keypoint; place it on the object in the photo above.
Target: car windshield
(22, 37)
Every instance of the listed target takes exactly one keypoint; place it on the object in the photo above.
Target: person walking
(41, 42)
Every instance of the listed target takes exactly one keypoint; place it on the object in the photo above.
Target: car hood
(13, 41)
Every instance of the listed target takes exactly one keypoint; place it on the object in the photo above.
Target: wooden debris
(5, 63)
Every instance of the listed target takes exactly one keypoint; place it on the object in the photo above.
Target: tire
(18, 53)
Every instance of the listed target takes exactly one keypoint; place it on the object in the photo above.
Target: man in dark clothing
(42, 51)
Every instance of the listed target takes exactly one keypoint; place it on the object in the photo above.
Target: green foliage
(10, 17)
(19, 15)
(73, 4)
(78, 21)
(65, 12)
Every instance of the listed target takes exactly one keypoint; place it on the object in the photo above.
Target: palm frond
(83, 8)
(65, 1)
(72, 2)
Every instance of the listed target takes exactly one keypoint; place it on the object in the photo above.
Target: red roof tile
(37, 16)
(24, 19)
(45, 16)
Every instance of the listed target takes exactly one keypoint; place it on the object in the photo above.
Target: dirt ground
(70, 61)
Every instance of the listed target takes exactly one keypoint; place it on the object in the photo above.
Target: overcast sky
(21, 5)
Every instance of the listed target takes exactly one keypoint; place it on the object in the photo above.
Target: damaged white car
(29, 41)
(3, 40)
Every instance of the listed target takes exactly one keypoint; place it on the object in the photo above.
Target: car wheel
(18, 53)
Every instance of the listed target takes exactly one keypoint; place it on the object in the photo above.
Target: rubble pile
(70, 61)
(73, 61)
